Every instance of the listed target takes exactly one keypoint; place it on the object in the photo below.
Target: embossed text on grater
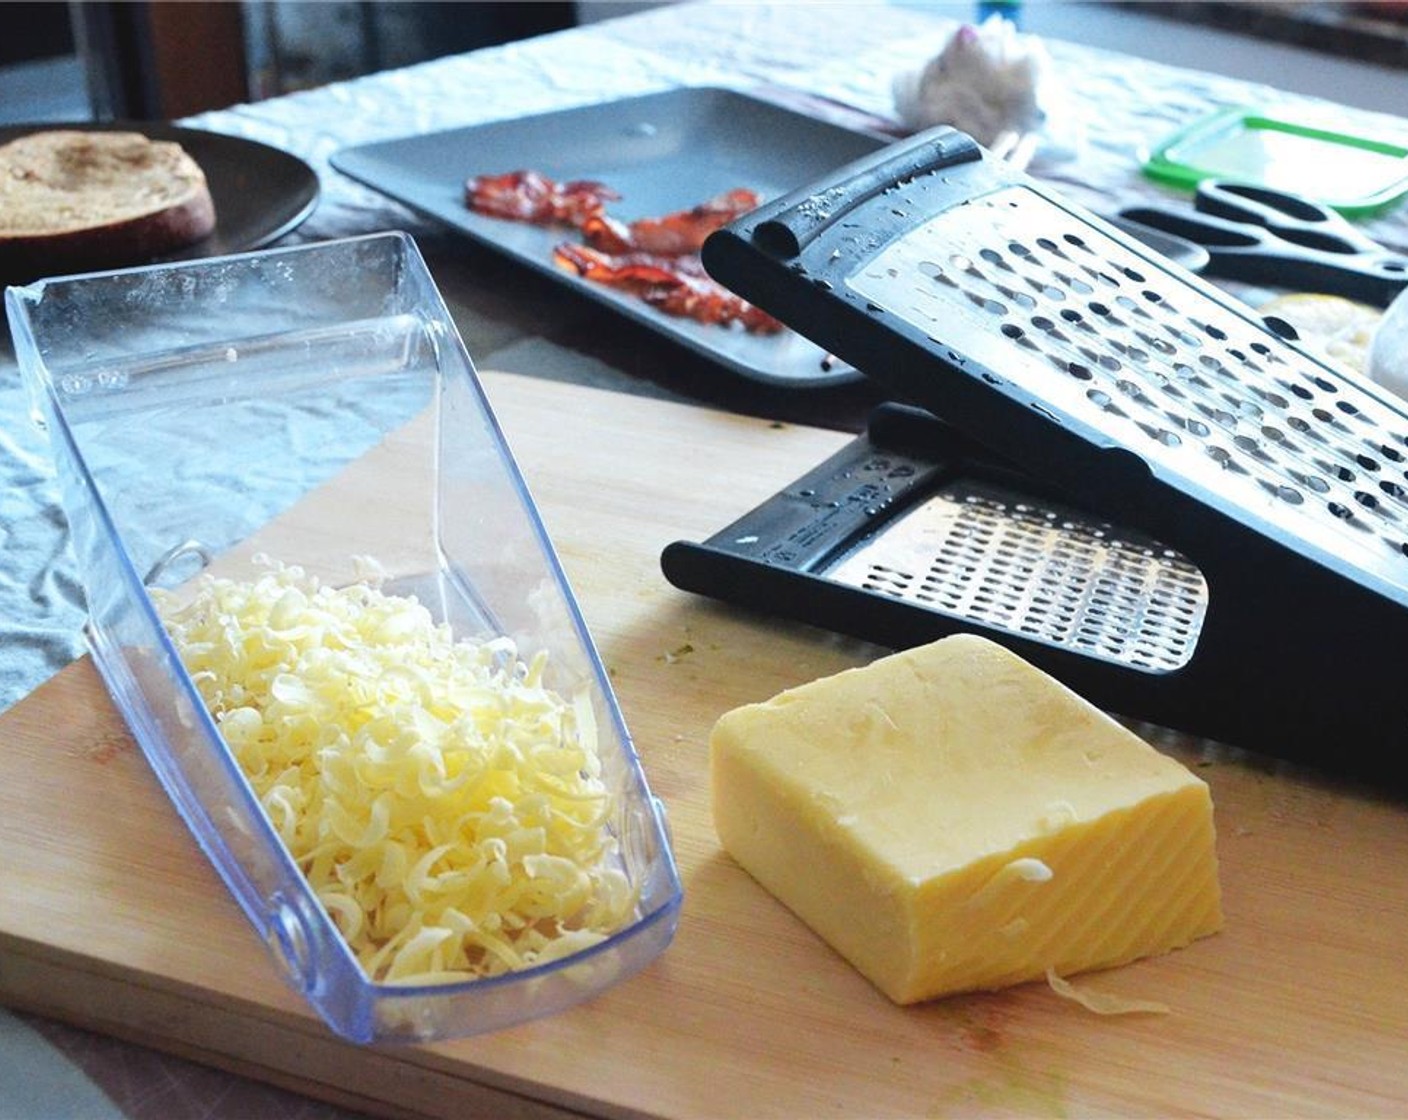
(1074, 323)
(1038, 571)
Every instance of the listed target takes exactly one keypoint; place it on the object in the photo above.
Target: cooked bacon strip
(529, 196)
(676, 285)
(655, 259)
(673, 235)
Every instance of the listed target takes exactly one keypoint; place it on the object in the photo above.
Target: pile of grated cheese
(445, 806)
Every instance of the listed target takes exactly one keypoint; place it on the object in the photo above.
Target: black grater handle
(801, 216)
(836, 502)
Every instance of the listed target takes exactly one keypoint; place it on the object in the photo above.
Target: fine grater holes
(1155, 363)
(997, 559)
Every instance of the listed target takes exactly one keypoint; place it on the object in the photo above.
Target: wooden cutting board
(111, 919)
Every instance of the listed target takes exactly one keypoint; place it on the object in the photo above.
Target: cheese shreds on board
(1103, 1003)
(446, 807)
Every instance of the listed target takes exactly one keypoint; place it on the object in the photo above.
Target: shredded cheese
(1103, 1003)
(447, 808)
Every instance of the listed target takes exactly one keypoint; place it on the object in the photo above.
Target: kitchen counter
(523, 324)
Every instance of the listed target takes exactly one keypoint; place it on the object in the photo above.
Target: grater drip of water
(1039, 571)
(1077, 324)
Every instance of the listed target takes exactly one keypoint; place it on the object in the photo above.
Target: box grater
(1099, 459)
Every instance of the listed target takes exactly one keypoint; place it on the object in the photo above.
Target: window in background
(161, 59)
(295, 45)
(41, 78)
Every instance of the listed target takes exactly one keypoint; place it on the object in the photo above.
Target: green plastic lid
(1355, 175)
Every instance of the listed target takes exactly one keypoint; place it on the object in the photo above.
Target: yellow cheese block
(950, 819)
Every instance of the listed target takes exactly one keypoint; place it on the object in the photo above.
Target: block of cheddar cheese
(950, 818)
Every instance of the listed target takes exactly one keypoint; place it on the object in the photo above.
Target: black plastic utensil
(1263, 236)
(1180, 250)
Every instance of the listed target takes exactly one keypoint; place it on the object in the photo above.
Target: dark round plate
(260, 193)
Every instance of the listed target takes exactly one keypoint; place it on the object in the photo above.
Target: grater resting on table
(1100, 460)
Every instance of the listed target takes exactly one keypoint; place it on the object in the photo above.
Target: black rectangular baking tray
(661, 152)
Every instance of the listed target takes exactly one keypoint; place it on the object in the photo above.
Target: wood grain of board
(110, 917)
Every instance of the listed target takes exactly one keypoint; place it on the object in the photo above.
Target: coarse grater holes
(1038, 571)
(1026, 289)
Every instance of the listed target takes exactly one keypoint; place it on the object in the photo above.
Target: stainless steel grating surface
(1077, 325)
(1041, 572)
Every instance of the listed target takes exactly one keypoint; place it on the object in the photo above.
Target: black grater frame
(1295, 656)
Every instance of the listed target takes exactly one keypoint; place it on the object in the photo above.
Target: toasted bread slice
(74, 200)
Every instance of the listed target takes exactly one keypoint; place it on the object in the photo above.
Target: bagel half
(76, 201)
